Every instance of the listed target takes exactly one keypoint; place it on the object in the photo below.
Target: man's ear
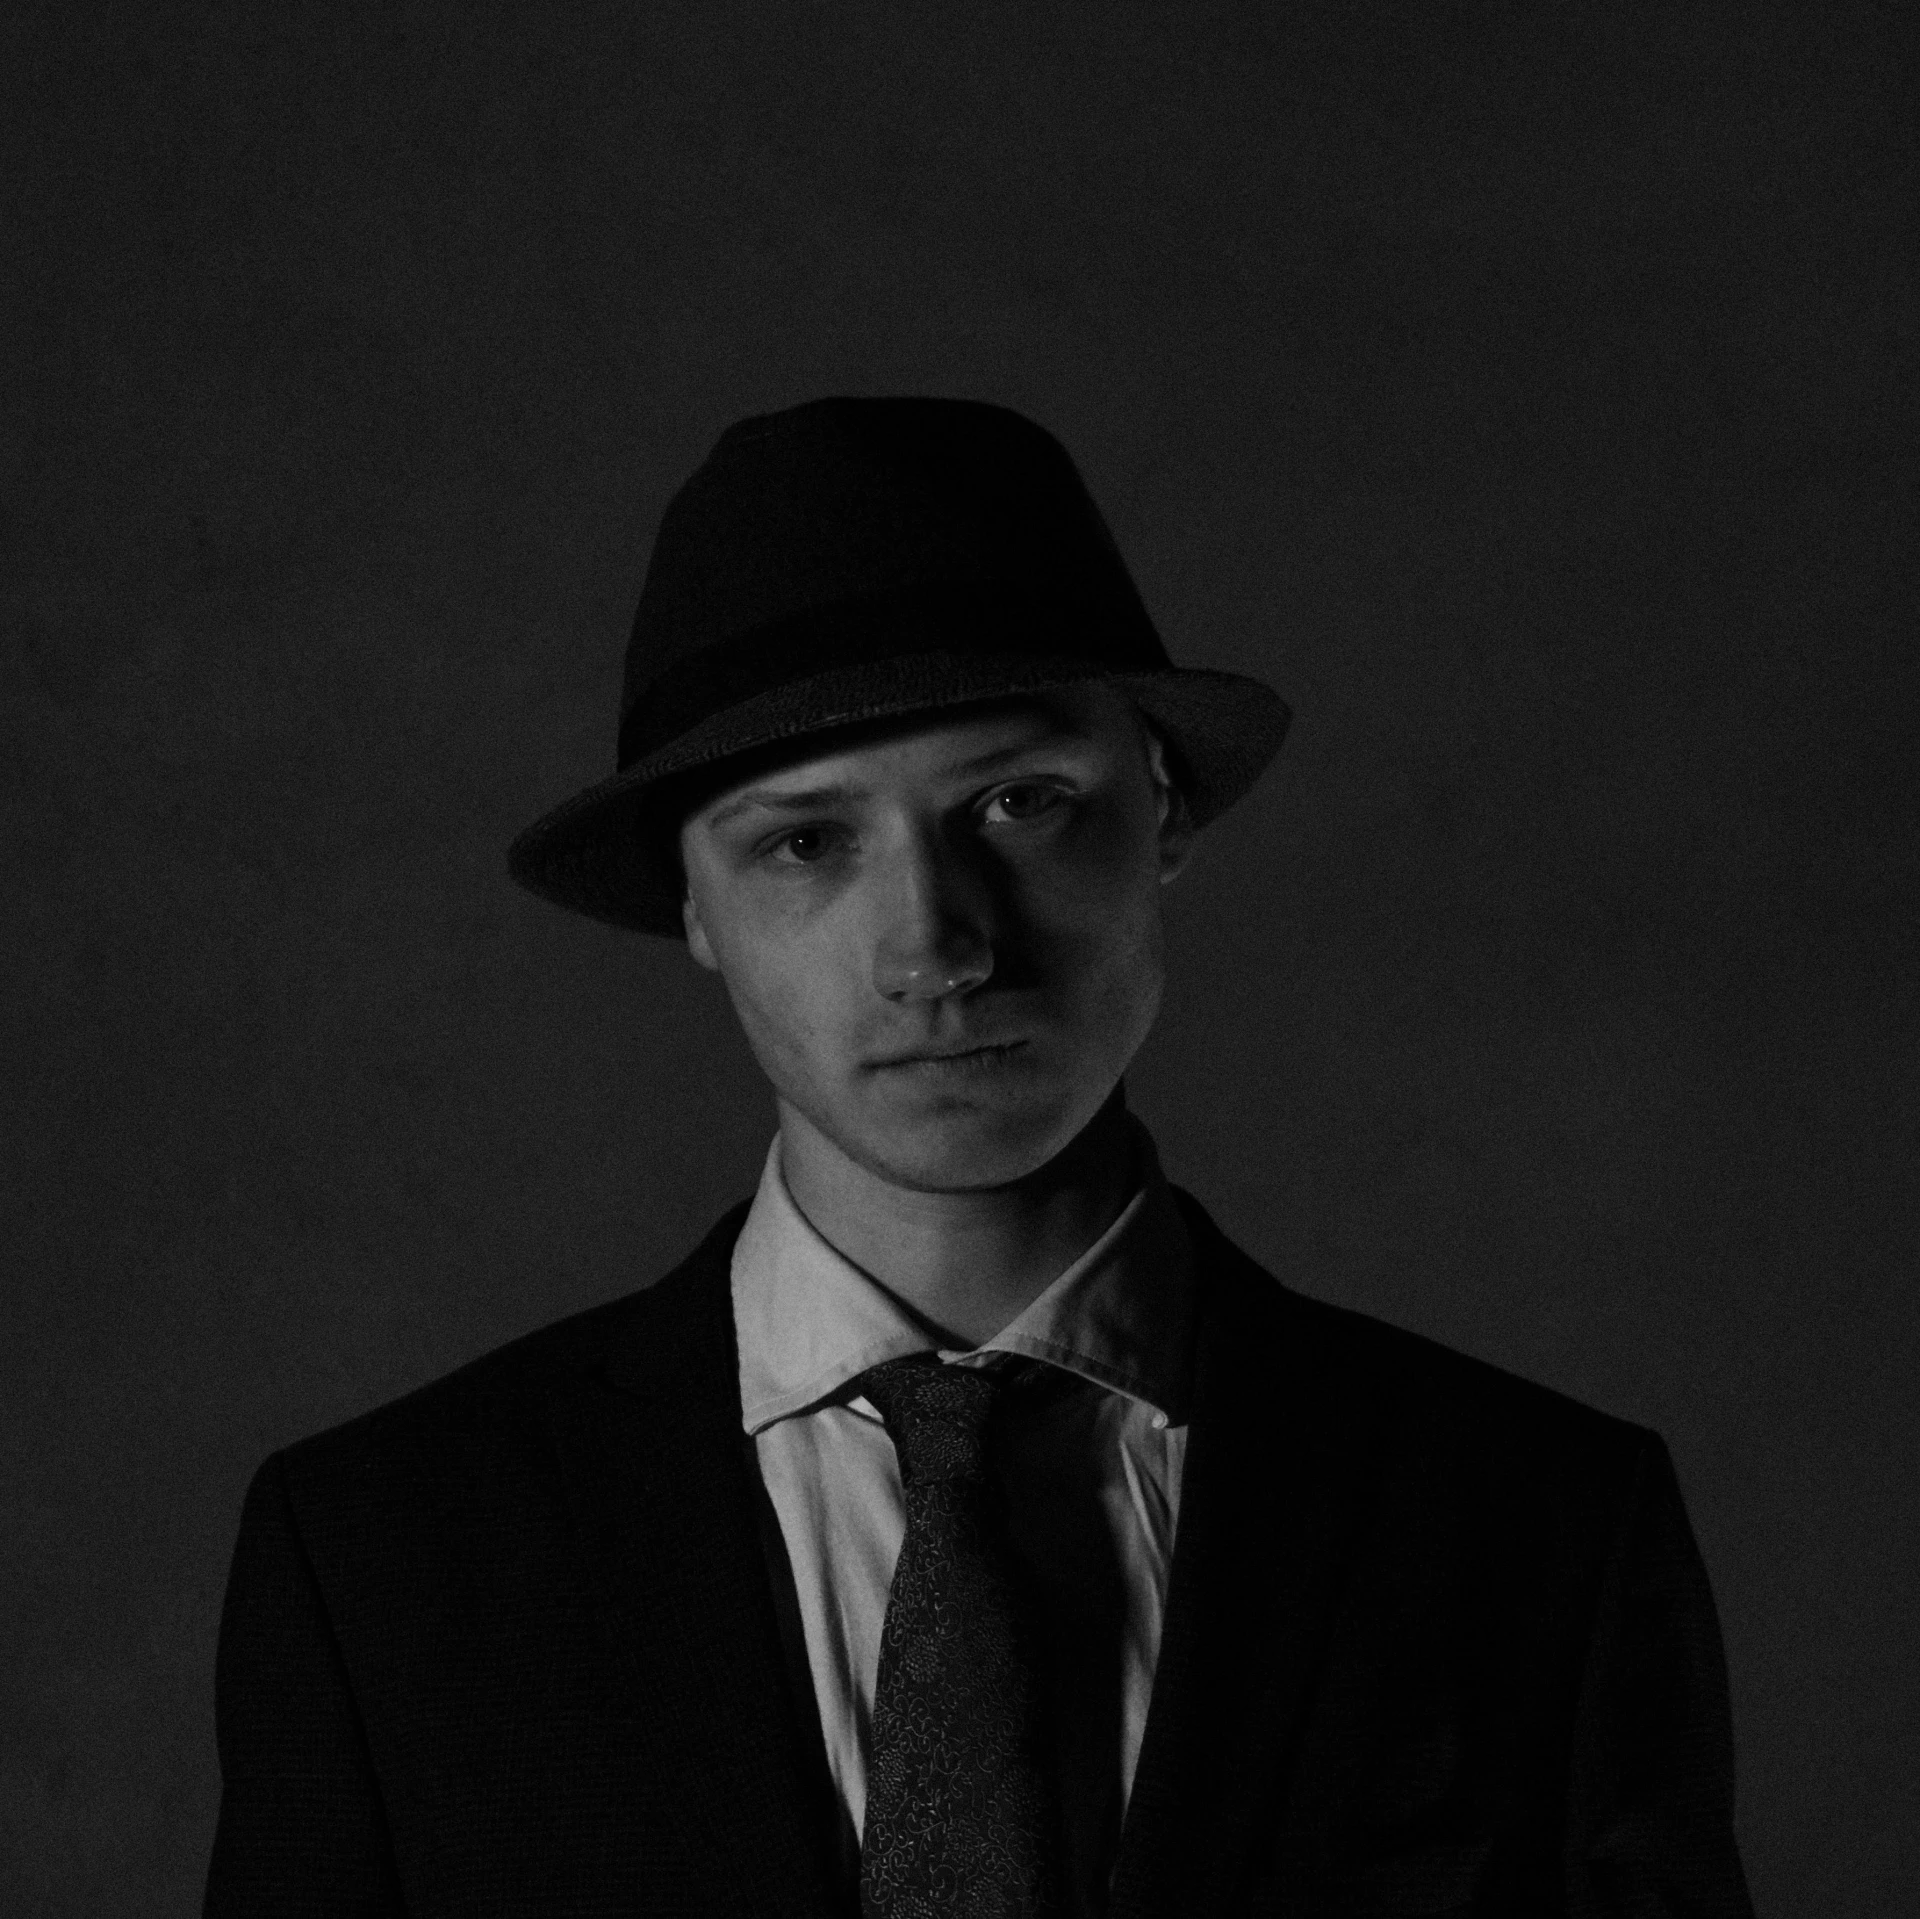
(1177, 831)
(697, 942)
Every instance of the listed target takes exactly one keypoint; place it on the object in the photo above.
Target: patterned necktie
(961, 1811)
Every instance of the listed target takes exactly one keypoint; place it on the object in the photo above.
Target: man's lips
(951, 1055)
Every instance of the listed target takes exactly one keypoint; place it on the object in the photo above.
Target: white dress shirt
(1089, 1448)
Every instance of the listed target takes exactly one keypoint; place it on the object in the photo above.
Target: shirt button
(1159, 1422)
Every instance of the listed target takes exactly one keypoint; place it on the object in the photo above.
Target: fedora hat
(853, 561)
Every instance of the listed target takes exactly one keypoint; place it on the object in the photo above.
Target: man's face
(944, 943)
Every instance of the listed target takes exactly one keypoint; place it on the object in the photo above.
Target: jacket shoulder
(1404, 1380)
(1442, 1376)
(504, 1387)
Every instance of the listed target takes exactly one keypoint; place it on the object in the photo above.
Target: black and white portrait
(960, 963)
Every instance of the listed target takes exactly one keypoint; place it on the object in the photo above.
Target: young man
(967, 1526)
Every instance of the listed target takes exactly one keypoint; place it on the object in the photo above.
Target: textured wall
(1526, 391)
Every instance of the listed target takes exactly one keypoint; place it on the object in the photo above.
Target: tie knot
(936, 1413)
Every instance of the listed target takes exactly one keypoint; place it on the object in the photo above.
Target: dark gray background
(1526, 391)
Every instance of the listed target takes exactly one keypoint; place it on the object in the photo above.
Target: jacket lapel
(665, 1499)
(1270, 1504)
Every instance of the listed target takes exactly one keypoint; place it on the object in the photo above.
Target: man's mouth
(984, 1057)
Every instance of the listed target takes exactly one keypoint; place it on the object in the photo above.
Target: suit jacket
(1437, 1641)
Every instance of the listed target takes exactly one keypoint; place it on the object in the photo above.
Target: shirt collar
(809, 1320)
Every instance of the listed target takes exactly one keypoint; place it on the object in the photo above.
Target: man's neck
(968, 1263)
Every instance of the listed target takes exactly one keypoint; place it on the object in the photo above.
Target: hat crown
(935, 513)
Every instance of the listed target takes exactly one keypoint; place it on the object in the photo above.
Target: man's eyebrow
(803, 799)
(1049, 742)
(796, 802)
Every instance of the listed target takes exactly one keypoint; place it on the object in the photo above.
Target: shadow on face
(943, 938)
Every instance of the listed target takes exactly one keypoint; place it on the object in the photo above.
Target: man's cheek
(795, 1021)
(1077, 937)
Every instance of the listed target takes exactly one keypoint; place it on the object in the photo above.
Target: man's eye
(1026, 801)
(803, 846)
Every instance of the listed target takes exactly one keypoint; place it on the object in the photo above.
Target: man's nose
(935, 935)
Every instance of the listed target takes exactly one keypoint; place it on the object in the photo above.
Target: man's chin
(964, 1148)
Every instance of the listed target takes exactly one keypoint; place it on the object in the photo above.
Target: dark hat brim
(606, 853)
